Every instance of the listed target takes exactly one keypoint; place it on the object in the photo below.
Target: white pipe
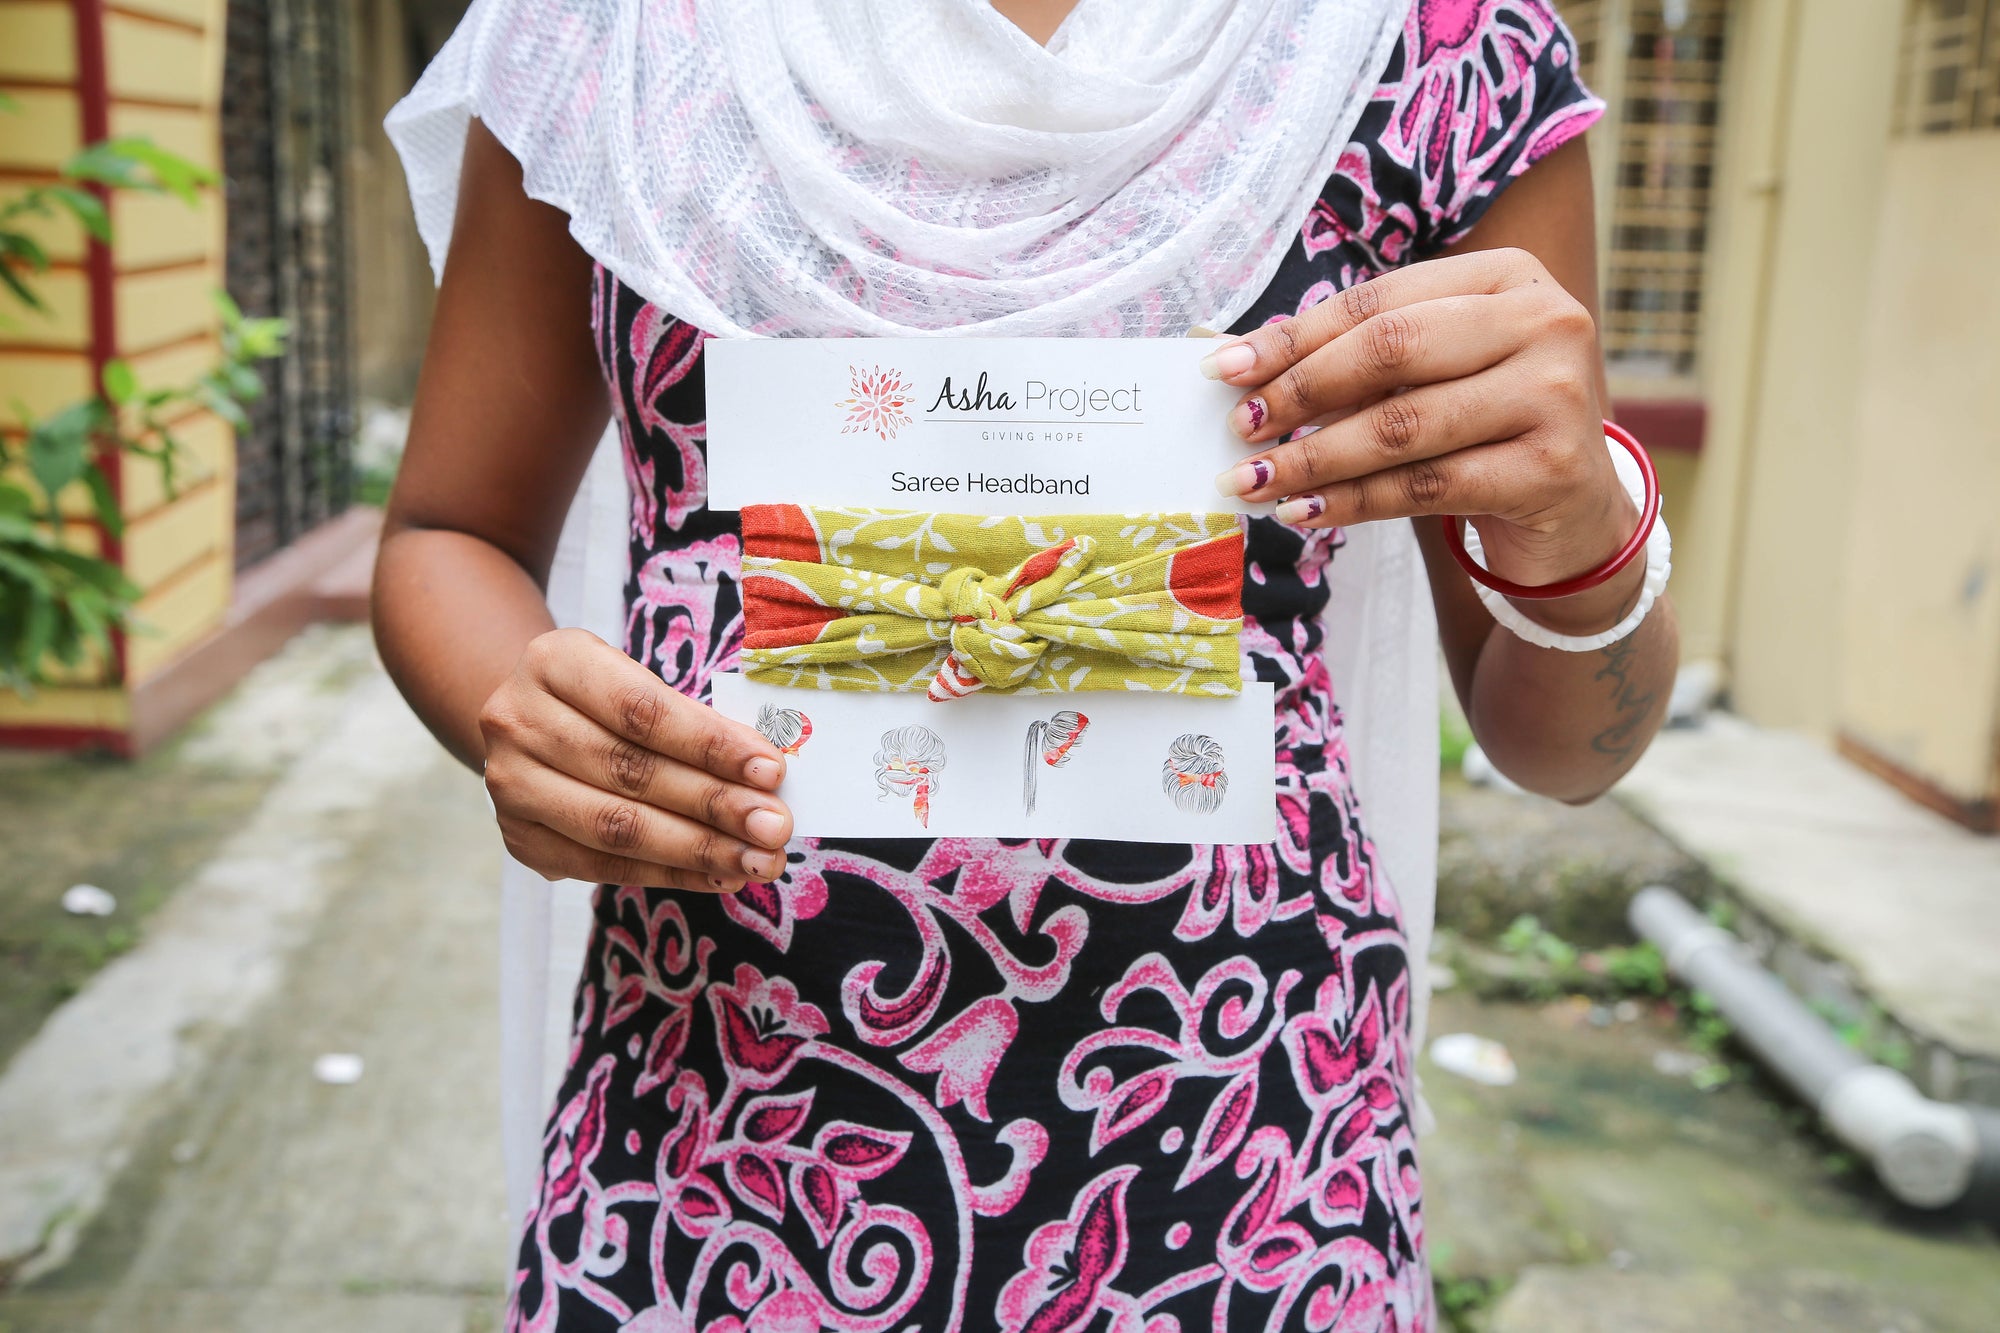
(1928, 1154)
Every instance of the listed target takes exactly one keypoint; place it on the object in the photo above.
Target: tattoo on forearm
(1630, 705)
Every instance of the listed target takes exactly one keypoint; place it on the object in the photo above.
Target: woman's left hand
(1462, 385)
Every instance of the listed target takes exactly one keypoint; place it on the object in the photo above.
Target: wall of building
(84, 70)
(1920, 555)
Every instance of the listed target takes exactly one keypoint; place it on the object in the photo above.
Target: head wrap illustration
(1048, 743)
(786, 728)
(908, 764)
(1193, 777)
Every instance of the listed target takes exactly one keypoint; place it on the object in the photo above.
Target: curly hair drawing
(1049, 743)
(1193, 777)
(786, 728)
(909, 763)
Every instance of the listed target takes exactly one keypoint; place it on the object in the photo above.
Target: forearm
(1566, 725)
(453, 614)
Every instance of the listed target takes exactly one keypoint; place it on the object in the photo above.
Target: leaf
(121, 384)
(37, 629)
(26, 249)
(57, 454)
(103, 501)
(85, 207)
(22, 292)
(225, 305)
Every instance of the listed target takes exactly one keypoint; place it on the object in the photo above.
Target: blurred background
(248, 916)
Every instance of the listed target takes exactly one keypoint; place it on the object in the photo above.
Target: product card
(969, 426)
(1028, 428)
(1125, 767)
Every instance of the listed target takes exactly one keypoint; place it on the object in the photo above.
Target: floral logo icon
(879, 399)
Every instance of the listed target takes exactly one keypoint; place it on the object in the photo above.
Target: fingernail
(1248, 418)
(1244, 478)
(763, 867)
(766, 827)
(1300, 510)
(761, 772)
(1225, 362)
(724, 885)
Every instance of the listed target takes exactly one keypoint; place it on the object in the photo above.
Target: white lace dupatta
(904, 167)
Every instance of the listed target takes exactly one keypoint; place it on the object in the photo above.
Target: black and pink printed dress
(1054, 1085)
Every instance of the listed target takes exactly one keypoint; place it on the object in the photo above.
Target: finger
(623, 827)
(550, 854)
(577, 745)
(1489, 479)
(623, 696)
(1423, 423)
(1263, 353)
(1425, 343)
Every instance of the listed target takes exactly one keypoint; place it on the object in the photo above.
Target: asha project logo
(878, 402)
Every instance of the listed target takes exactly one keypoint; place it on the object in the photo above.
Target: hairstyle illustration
(909, 762)
(1048, 743)
(786, 728)
(1192, 777)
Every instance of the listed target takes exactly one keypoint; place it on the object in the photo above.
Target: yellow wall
(163, 72)
(1786, 620)
(1920, 660)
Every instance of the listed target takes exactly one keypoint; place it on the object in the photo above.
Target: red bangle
(1649, 513)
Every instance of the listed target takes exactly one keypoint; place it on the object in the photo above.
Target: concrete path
(1601, 1194)
(1901, 899)
(278, 1202)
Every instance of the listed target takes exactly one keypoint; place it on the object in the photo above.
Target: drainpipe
(1927, 1154)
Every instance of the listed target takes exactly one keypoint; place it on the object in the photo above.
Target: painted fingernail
(1225, 362)
(766, 827)
(1248, 418)
(763, 867)
(1244, 478)
(761, 772)
(1301, 510)
(724, 885)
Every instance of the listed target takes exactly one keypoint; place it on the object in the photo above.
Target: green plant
(1462, 1300)
(58, 604)
(1638, 969)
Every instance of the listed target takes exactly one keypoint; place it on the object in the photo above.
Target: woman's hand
(599, 771)
(1463, 385)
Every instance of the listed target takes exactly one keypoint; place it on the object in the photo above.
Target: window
(1949, 74)
(1658, 63)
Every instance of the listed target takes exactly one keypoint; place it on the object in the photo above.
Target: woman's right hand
(599, 771)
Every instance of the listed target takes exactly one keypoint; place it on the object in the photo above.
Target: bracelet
(1658, 545)
(1649, 514)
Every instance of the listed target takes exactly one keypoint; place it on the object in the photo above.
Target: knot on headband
(864, 599)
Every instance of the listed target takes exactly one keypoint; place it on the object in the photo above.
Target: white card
(1142, 768)
(969, 426)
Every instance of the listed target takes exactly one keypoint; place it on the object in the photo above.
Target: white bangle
(1658, 556)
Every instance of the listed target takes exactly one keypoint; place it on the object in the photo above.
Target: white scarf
(886, 168)
(897, 167)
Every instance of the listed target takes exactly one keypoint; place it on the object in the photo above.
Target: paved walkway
(1904, 900)
(278, 1202)
(1604, 1195)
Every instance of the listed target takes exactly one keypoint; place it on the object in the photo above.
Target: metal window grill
(1948, 77)
(284, 130)
(1660, 65)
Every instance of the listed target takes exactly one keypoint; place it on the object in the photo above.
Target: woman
(961, 1083)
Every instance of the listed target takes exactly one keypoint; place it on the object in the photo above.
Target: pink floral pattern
(958, 1084)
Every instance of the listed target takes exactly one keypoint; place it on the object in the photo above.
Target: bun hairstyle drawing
(786, 728)
(1192, 777)
(910, 761)
(1048, 743)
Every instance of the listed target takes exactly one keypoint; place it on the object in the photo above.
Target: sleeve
(1495, 89)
